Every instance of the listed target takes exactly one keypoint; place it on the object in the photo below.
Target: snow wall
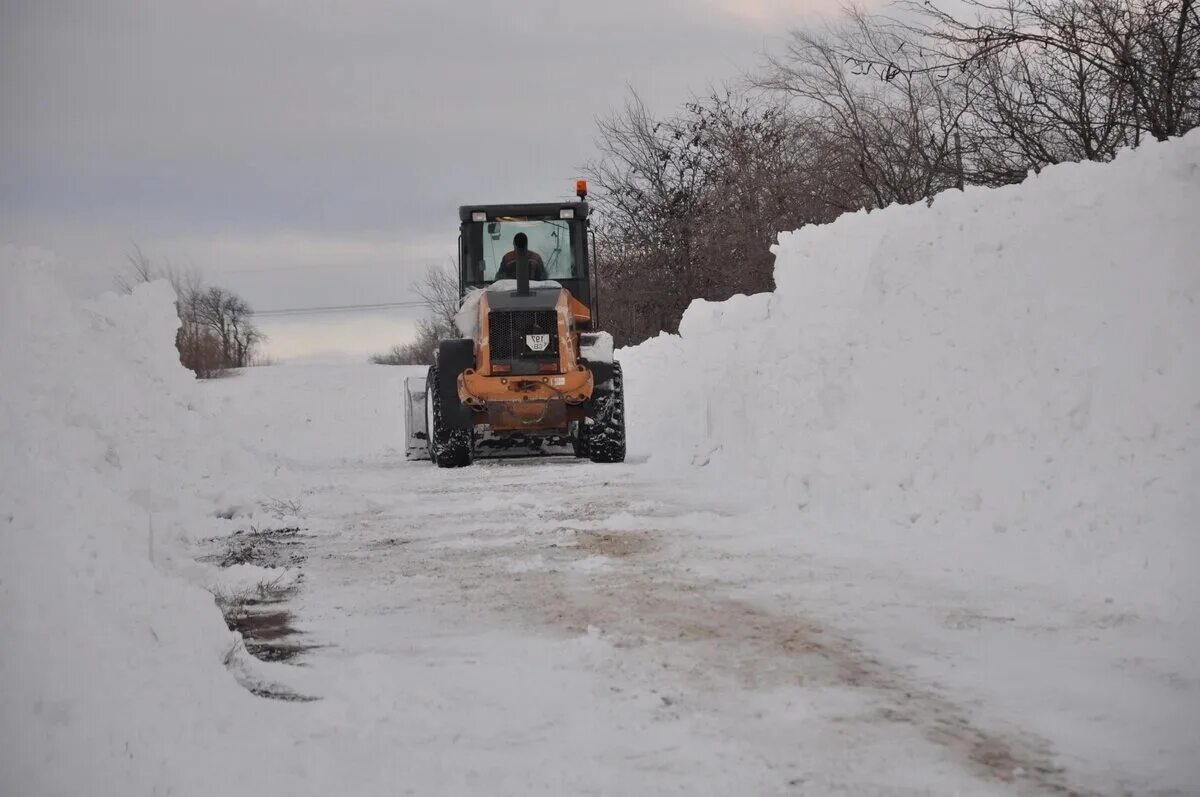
(1009, 377)
(112, 663)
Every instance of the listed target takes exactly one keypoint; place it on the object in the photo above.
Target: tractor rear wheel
(448, 448)
(601, 438)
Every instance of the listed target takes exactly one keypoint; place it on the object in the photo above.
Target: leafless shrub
(281, 508)
(270, 590)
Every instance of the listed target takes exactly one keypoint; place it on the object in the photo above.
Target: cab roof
(538, 210)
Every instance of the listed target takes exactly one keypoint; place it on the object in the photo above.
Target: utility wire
(306, 267)
(341, 308)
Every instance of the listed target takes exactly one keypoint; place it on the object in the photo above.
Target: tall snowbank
(111, 668)
(1011, 375)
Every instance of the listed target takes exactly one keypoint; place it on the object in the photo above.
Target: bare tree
(646, 187)
(438, 288)
(1146, 51)
(688, 205)
(246, 338)
(1002, 88)
(872, 93)
(1038, 107)
(228, 317)
(212, 312)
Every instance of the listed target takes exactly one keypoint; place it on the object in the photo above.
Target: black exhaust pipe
(522, 274)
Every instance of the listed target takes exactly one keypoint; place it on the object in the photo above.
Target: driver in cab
(508, 263)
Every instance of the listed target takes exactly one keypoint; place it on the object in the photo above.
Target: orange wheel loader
(532, 373)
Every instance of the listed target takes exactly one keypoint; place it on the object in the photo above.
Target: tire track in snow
(642, 602)
(572, 565)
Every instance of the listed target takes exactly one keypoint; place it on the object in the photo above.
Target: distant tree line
(216, 329)
(867, 112)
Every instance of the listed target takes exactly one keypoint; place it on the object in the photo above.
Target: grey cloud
(182, 123)
(340, 115)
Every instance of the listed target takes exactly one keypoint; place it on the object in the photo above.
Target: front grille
(507, 331)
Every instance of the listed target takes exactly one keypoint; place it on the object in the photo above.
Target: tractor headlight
(478, 215)
(566, 213)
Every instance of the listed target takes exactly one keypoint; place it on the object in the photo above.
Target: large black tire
(601, 438)
(448, 447)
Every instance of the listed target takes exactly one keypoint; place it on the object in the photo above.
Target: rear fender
(454, 357)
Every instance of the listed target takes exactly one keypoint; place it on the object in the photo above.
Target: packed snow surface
(923, 521)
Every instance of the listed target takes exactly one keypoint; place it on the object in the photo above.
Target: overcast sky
(314, 153)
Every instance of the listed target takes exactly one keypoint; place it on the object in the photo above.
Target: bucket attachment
(415, 419)
(493, 446)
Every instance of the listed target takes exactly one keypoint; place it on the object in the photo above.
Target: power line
(341, 308)
(330, 266)
(306, 267)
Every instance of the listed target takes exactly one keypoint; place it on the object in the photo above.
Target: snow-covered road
(920, 521)
(554, 626)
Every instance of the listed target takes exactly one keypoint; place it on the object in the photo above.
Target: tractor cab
(557, 233)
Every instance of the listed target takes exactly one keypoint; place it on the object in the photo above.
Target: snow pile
(1012, 375)
(106, 463)
(467, 317)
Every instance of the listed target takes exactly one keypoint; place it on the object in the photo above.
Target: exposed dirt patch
(389, 542)
(760, 649)
(716, 644)
(959, 620)
(261, 614)
(713, 639)
(588, 510)
(262, 618)
(270, 636)
(617, 545)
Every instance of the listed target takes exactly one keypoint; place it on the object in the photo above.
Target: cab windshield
(554, 241)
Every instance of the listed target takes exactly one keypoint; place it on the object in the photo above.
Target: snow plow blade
(417, 433)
